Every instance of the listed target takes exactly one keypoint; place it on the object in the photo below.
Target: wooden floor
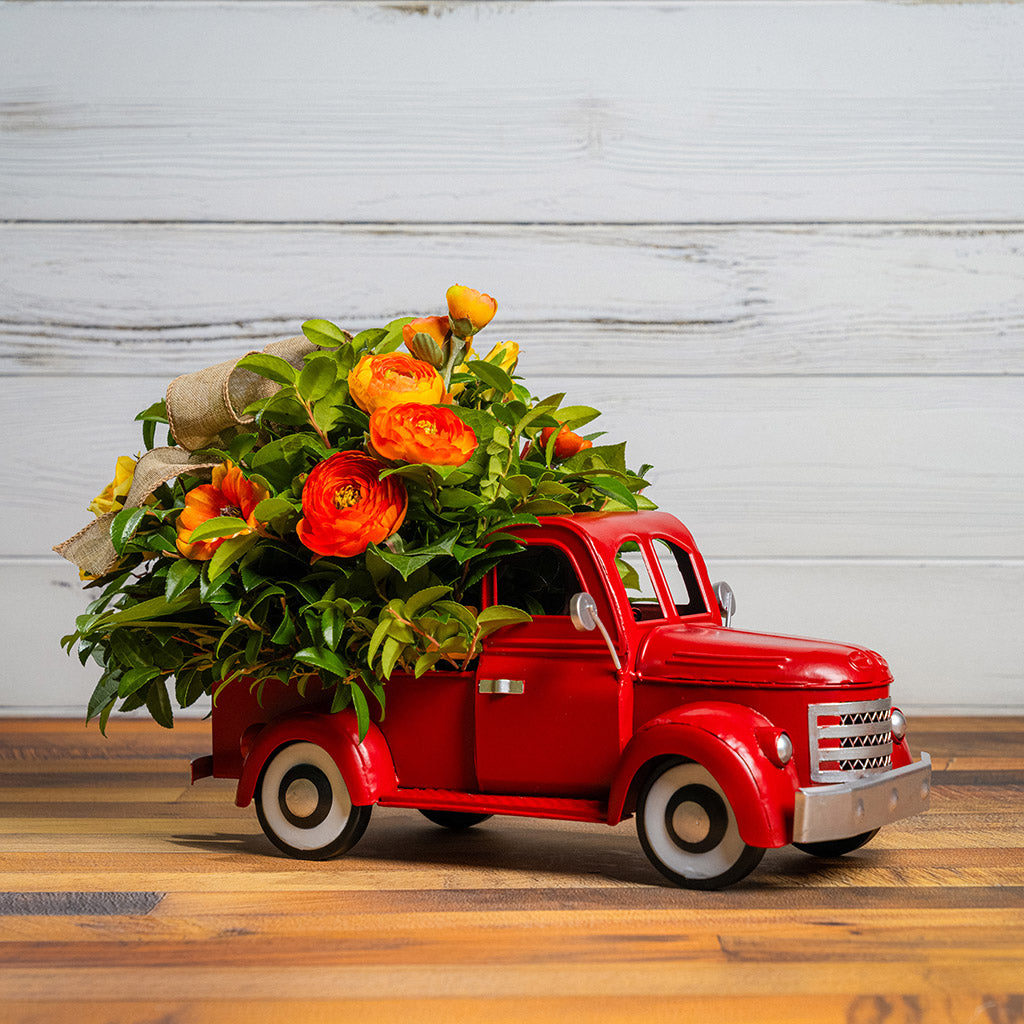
(128, 895)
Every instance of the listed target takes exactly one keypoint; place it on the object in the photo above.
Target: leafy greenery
(168, 629)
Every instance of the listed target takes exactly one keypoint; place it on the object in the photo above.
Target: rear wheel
(688, 829)
(455, 820)
(837, 847)
(303, 804)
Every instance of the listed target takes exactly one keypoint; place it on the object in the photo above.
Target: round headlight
(783, 749)
(899, 724)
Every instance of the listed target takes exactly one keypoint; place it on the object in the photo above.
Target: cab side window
(539, 580)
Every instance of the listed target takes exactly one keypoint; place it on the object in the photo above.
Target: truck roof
(607, 529)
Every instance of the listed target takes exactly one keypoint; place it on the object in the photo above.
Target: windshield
(676, 568)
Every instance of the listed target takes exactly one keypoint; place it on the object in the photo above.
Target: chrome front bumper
(848, 808)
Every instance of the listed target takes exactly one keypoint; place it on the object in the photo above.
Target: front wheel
(303, 804)
(688, 829)
(837, 847)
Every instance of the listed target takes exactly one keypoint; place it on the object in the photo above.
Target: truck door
(549, 705)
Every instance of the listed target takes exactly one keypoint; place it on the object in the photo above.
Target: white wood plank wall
(781, 244)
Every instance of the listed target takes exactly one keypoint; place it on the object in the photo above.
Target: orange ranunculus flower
(434, 326)
(412, 432)
(227, 494)
(346, 506)
(380, 380)
(111, 498)
(567, 443)
(469, 310)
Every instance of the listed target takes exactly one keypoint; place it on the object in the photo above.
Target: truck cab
(629, 693)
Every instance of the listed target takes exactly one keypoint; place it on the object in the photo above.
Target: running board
(496, 803)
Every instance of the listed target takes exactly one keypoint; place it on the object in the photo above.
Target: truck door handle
(501, 686)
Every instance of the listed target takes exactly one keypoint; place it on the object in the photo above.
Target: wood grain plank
(744, 112)
(654, 300)
(610, 978)
(882, 1007)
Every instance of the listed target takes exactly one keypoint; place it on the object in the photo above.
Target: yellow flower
(505, 354)
(111, 498)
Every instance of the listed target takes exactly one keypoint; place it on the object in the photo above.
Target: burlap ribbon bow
(199, 407)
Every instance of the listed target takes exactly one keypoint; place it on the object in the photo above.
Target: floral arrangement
(326, 509)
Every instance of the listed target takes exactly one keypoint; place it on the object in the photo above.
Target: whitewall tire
(303, 804)
(688, 829)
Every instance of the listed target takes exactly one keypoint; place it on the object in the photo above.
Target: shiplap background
(780, 244)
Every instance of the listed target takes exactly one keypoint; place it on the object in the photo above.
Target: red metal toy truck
(627, 694)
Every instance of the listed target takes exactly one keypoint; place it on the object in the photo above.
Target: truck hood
(684, 653)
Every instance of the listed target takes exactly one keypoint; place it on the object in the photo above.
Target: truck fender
(366, 766)
(724, 739)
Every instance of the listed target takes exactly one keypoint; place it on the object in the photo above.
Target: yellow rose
(505, 354)
(111, 498)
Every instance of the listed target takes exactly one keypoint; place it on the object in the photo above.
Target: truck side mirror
(726, 601)
(583, 613)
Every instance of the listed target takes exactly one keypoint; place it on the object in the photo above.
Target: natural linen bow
(200, 406)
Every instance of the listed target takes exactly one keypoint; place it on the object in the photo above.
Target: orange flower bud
(346, 506)
(420, 433)
(469, 310)
(435, 326)
(381, 380)
(567, 443)
(227, 494)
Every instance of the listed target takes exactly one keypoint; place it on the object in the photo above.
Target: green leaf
(270, 508)
(425, 662)
(545, 507)
(574, 416)
(389, 658)
(136, 678)
(393, 335)
(503, 614)
(498, 616)
(229, 552)
(159, 704)
(180, 576)
(103, 696)
(317, 378)
(124, 525)
(326, 661)
(218, 526)
(286, 632)
(492, 375)
(424, 598)
(378, 637)
(614, 489)
(272, 367)
(362, 710)
(460, 613)
(325, 334)
(333, 621)
(458, 497)
(145, 611)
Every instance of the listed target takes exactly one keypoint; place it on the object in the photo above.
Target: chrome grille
(850, 740)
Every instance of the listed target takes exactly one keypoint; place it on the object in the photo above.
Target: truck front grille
(850, 740)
